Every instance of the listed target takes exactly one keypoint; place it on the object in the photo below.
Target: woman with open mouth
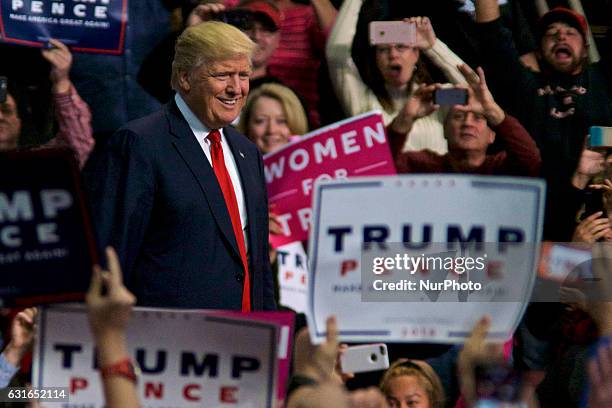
(393, 73)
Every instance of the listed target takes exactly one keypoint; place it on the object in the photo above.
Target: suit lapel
(247, 171)
(191, 152)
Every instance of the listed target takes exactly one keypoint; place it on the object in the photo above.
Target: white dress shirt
(201, 132)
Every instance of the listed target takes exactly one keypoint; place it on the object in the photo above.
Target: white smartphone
(392, 32)
(369, 357)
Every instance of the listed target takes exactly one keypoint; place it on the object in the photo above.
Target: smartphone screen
(450, 96)
(593, 202)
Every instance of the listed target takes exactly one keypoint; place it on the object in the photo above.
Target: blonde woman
(271, 116)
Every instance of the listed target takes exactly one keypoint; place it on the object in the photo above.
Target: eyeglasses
(386, 49)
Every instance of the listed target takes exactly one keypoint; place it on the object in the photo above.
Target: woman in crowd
(72, 114)
(412, 383)
(394, 72)
(271, 116)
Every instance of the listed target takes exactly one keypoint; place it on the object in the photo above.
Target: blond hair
(426, 376)
(208, 42)
(294, 111)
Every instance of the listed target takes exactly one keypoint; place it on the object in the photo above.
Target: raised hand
(606, 186)
(425, 35)
(318, 362)
(592, 228)
(480, 98)
(476, 350)
(591, 163)
(22, 336)
(420, 104)
(60, 58)
(109, 313)
(204, 12)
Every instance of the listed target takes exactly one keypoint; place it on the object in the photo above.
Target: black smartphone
(3, 89)
(450, 96)
(593, 202)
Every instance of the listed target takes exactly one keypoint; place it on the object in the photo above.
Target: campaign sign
(96, 26)
(421, 258)
(292, 276)
(286, 323)
(46, 242)
(353, 147)
(187, 358)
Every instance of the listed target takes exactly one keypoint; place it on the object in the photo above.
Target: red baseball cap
(564, 15)
(265, 8)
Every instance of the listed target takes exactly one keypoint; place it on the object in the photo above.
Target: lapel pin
(241, 154)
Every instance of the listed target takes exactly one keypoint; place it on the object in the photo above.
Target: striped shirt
(298, 57)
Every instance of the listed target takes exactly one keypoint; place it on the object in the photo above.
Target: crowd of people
(177, 191)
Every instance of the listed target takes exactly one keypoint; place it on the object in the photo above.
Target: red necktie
(225, 182)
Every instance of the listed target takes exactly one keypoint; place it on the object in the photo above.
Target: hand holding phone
(480, 97)
(594, 203)
(369, 357)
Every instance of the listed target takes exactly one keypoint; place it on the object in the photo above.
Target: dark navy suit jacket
(157, 201)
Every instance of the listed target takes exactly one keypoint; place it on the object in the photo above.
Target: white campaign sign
(187, 358)
(292, 275)
(418, 210)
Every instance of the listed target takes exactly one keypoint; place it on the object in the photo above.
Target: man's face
(267, 42)
(467, 131)
(216, 91)
(10, 124)
(563, 48)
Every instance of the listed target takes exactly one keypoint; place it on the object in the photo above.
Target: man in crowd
(557, 105)
(182, 196)
(469, 130)
(259, 19)
(71, 113)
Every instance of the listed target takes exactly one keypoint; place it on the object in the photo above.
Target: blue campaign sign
(96, 26)
(46, 241)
